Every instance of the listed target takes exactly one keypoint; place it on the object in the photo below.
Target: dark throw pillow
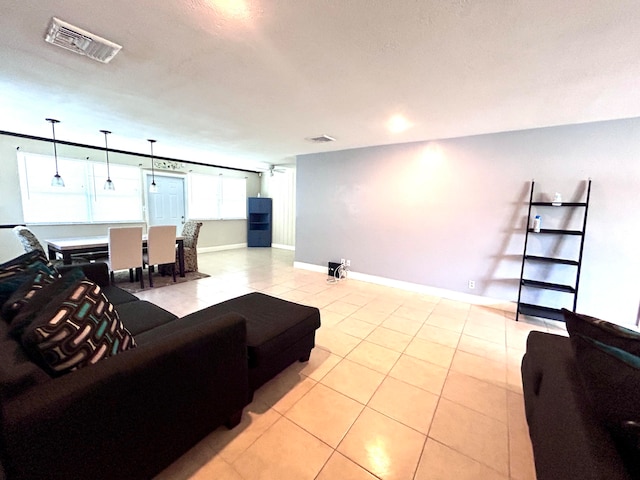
(28, 290)
(602, 331)
(611, 377)
(23, 261)
(77, 328)
(16, 275)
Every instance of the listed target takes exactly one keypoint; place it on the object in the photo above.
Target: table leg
(52, 253)
(181, 257)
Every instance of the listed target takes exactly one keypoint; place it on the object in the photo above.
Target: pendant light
(108, 185)
(56, 181)
(153, 188)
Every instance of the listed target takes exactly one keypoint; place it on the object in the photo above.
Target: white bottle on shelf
(536, 224)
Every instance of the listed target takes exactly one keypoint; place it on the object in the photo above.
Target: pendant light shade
(108, 185)
(153, 188)
(57, 180)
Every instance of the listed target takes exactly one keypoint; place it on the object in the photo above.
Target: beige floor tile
(217, 468)
(284, 452)
(473, 434)
(520, 451)
(480, 368)
(256, 419)
(188, 464)
(320, 363)
(335, 341)
(450, 312)
(383, 446)
(483, 348)
(439, 462)
(402, 325)
(389, 338)
(431, 352)
(343, 308)
(340, 467)
(330, 319)
(405, 403)
(478, 395)
(416, 314)
(358, 299)
(443, 321)
(416, 372)
(284, 390)
(325, 413)
(439, 335)
(376, 357)
(355, 327)
(370, 316)
(383, 306)
(489, 334)
(353, 380)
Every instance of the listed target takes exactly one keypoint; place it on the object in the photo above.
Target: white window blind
(82, 199)
(216, 197)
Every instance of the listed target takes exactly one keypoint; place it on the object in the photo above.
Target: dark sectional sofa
(131, 415)
(572, 434)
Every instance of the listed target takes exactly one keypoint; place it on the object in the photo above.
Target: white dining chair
(125, 251)
(161, 249)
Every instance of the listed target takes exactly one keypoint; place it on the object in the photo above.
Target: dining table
(79, 245)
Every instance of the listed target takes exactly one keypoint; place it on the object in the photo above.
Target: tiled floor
(400, 385)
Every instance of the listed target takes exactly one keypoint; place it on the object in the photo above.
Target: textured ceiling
(244, 82)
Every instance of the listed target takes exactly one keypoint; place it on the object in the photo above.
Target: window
(217, 197)
(83, 199)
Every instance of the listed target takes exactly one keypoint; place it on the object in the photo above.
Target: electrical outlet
(342, 261)
(348, 263)
(472, 284)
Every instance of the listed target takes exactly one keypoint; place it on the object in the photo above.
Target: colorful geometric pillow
(22, 262)
(76, 329)
(602, 331)
(38, 299)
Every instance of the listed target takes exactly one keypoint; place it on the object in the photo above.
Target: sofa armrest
(97, 272)
(131, 415)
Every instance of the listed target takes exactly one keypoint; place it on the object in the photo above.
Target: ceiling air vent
(321, 139)
(80, 41)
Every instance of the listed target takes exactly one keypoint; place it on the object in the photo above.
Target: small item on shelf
(536, 224)
(557, 200)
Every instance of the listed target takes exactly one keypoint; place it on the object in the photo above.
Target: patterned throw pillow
(75, 329)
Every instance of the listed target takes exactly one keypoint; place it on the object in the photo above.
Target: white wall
(213, 235)
(445, 212)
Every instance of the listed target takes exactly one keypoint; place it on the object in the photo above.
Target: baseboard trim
(219, 248)
(497, 304)
(282, 246)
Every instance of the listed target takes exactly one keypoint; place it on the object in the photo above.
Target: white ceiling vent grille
(80, 41)
(321, 139)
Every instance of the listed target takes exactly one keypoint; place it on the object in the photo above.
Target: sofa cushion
(75, 329)
(21, 262)
(272, 323)
(602, 331)
(141, 316)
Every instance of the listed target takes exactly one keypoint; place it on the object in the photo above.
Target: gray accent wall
(444, 212)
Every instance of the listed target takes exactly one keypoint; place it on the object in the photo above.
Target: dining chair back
(125, 251)
(190, 233)
(161, 249)
(27, 238)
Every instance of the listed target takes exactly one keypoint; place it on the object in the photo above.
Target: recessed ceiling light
(321, 139)
(398, 123)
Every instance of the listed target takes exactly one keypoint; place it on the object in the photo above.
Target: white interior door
(167, 206)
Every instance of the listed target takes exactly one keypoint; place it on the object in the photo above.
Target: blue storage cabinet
(259, 222)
